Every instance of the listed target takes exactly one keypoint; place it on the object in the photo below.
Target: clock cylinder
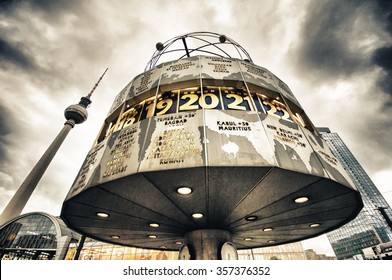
(202, 143)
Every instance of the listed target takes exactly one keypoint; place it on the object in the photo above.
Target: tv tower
(74, 114)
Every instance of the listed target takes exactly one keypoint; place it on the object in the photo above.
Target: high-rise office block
(371, 226)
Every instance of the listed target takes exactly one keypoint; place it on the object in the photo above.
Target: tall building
(74, 114)
(371, 226)
(290, 251)
(312, 255)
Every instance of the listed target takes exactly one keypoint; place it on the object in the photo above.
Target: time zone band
(191, 99)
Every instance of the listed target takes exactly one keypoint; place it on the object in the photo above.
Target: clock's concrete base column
(206, 244)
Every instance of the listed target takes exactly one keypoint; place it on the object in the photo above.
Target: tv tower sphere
(77, 112)
(206, 152)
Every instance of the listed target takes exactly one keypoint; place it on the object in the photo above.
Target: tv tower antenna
(96, 84)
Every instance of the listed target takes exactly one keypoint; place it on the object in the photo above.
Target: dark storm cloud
(327, 33)
(382, 57)
(4, 125)
(384, 12)
(43, 39)
(333, 32)
(18, 29)
(5, 130)
(349, 42)
(14, 55)
(48, 6)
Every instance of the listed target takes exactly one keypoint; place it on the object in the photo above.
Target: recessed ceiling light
(115, 236)
(248, 238)
(267, 229)
(197, 215)
(314, 225)
(184, 190)
(251, 218)
(102, 214)
(178, 243)
(152, 236)
(271, 241)
(163, 247)
(154, 225)
(301, 199)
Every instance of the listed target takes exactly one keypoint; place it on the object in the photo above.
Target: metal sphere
(222, 38)
(159, 46)
(76, 112)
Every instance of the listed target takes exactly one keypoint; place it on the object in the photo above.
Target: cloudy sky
(336, 56)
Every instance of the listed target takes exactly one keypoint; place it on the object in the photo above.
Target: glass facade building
(97, 250)
(35, 236)
(370, 228)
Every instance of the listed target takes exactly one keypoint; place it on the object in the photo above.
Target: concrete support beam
(206, 244)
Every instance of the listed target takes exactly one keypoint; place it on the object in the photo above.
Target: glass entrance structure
(35, 236)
